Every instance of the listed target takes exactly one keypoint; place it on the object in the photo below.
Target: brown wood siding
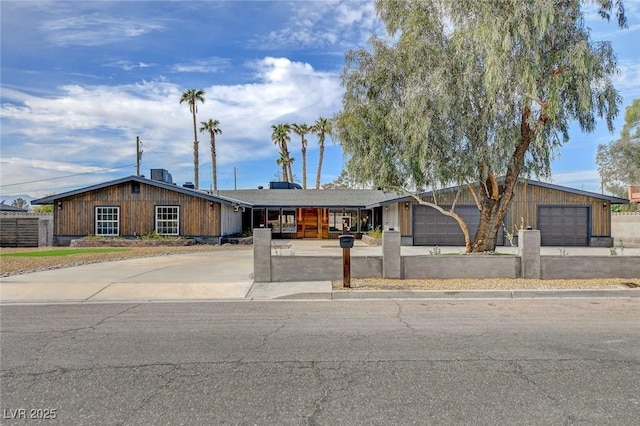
(404, 217)
(76, 217)
(527, 198)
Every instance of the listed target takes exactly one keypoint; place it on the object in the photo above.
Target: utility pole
(138, 155)
(235, 179)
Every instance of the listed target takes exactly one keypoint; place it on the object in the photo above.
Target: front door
(310, 220)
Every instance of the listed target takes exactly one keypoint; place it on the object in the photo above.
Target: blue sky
(80, 80)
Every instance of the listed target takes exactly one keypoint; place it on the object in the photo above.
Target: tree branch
(475, 196)
(495, 193)
(452, 214)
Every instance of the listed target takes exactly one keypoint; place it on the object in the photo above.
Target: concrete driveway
(210, 275)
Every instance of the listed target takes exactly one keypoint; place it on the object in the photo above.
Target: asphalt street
(503, 361)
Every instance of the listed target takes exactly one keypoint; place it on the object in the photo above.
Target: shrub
(376, 233)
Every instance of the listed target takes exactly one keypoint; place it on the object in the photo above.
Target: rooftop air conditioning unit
(161, 175)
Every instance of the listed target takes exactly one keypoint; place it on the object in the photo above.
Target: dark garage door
(563, 226)
(432, 228)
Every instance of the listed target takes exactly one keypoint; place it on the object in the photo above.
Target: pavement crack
(400, 318)
(318, 405)
(63, 333)
(269, 334)
(147, 272)
(157, 389)
(520, 373)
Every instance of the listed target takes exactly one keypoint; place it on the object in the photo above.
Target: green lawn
(64, 252)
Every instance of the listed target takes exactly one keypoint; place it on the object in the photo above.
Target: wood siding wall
(76, 215)
(523, 209)
(231, 222)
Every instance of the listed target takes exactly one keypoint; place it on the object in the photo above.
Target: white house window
(335, 220)
(289, 221)
(108, 221)
(168, 220)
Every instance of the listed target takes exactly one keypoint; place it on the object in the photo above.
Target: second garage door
(432, 228)
(563, 226)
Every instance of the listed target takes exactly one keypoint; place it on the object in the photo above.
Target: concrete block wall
(314, 268)
(391, 258)
(529, 242)
(461, 266)
(262, 255)
(625, 227)
(576, 267)
(528, 264)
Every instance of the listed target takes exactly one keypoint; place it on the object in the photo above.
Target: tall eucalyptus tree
(619, 161)
(474, 93)
(192, 97)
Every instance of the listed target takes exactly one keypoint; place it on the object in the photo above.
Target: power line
(67, 176)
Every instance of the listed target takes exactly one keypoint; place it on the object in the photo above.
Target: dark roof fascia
(390, 201)
(610, 198)
(307, 206)
(188, 191)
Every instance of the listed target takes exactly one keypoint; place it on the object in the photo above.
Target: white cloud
(128, 66)
(96, 29)
(38, 178)
(203, 65)
(320, 24)
(628, 82)
(95, 126)
(587, 180)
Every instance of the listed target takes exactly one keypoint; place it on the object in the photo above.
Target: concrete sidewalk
(53, 292)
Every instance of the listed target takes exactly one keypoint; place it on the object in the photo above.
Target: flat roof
(360, 198)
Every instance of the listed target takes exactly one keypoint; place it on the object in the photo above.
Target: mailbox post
(346, 242)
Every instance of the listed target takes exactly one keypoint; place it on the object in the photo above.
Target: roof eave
(196, 193)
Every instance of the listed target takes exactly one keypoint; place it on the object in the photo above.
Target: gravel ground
(15, 265)
(487, 284)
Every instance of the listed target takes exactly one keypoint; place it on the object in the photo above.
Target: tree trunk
(320, 155)
(490, 221)
(195, 151)
(213, 162)
(290, 170)
(304, 167)
(495, 204)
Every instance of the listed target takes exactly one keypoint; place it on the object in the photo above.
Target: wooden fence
(19, 232)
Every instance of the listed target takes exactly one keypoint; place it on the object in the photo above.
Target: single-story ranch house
(133, 206)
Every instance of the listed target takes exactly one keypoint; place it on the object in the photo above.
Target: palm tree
(302, 129)
(280, 136)
(192, 97)
(213, 127)
(322, 128)
(282, 162)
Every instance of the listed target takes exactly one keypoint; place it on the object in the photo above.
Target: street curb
(483, 294)
(305, 296)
